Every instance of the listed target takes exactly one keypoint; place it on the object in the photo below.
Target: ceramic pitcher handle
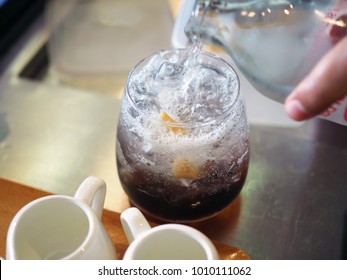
(134, 223)
(93, 192)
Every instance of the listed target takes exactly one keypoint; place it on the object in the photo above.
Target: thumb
(325, 84)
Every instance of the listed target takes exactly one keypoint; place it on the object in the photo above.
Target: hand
(325, 84)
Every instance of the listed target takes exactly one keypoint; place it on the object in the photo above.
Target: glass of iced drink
(182, 138)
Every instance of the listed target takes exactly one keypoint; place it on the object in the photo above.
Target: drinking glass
(182, 143)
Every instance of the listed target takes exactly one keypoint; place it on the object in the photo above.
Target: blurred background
(63, 66)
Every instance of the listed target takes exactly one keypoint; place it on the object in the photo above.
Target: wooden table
(14, 196)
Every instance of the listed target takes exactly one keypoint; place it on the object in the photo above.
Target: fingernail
(296, 110)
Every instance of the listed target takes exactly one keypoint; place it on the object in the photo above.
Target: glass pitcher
(275, 43)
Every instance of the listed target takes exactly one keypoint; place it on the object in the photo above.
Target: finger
(324, 85)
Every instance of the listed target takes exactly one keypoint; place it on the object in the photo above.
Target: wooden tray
(14, 196)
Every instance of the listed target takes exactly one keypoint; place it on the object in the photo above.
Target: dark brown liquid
(168, 199)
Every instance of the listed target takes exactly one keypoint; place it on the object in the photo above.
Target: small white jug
(62, 227)
(164, 242)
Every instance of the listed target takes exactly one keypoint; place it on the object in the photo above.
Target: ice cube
(148, 149)
(135, 134)
(148, 105)
(132, 112)
(205, 82)
(170, 71)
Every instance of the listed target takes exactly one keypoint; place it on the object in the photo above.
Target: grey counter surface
(294, 203)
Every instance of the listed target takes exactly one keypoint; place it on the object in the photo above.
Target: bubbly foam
(201, 95)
